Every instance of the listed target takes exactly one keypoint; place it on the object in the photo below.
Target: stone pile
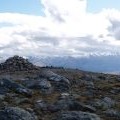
(17, 63)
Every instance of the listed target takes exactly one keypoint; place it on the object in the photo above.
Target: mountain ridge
(107, 64)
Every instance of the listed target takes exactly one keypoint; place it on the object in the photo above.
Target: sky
(97, 5)
(59, 27)
(33, 7)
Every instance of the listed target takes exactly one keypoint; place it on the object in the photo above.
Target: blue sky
(21, 6)
(35, 7)
(98, 5)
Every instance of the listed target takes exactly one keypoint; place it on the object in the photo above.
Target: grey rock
(93, 77)
(113, 114)
(64, 95)
(104, 103)
(42, 84)
(8, 85)
(72, 105)
(60, 86)
(59, 78)
(21, 100)
(59, 83)
(115, 91)
(17, 63)
(77, 115)
(89, 84)
(41, 105)
(2, 97)
(15, 113)
(24, 91)
(54, 77)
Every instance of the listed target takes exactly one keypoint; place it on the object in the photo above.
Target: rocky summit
(28, 92)
(17, 63)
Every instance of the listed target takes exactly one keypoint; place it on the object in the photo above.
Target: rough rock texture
(40, 84)
(77, 115)
(59, 82)
(104, 103)
(113, 114)
(42, 105)
(72, 105)
(8, 85)
(17, 63)
(27, 91)
(15, 113)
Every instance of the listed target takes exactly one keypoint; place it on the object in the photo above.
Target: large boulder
(115, 90)
(72, 105)
(15, 113)
(60, 83)
(8, 85)
(54, 77)
(104, 103)
(77, 115)
(113, 114)
(39, 84)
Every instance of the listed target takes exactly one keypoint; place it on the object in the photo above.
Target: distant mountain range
(108, 64)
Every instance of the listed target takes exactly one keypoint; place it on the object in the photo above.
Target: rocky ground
(28, 92)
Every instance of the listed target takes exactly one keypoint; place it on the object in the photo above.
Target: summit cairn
(17, 63)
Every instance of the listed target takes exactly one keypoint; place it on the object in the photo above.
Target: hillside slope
(40, 93)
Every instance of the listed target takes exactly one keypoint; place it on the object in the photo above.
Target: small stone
(41, 105)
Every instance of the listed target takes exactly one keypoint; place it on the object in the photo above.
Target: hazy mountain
(92, 63)
(108, 64)
(37, 61)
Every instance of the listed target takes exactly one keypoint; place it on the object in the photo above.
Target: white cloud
(62, 10)
(66, 29)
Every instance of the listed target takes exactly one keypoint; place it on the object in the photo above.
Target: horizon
(100, 64)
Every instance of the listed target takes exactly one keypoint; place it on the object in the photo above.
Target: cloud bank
(66, 29)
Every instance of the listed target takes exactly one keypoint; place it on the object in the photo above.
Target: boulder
(40, 84)
(72, 105)
(8, 85)
(59, 83)
(104, 103)
(113, 114)
(77, 115)
(15, 113)
(2, 97)
(54, 77)
(115, 91)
